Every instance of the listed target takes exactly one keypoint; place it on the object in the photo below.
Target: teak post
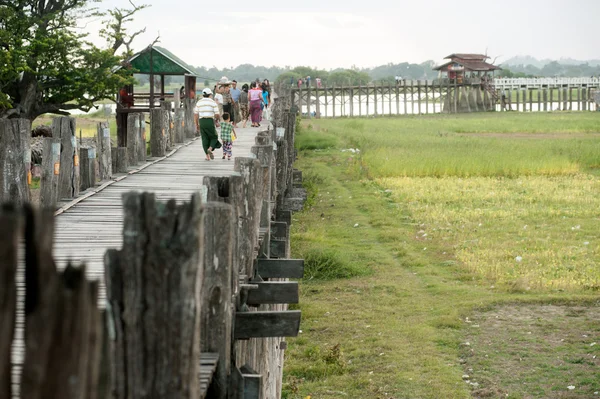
(153, 289)
(104, 151)
(63, 132)
(15, 160)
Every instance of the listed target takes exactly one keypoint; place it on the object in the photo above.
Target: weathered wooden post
(50, 173)
(252, 177)
(170, 130)
(61, 320)
(190, 123)
(63, 131)
(584, 102)
(153, 292)
(133, 138)
(142, 150)
(103, 151)
(88, 167)
(159, 120)
(545, 99)
(15, 160)
(217, 239)
(179, 121)
(9, 241)
(122, 164)
(113, 157)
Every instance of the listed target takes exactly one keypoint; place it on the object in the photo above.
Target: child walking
(227, 136)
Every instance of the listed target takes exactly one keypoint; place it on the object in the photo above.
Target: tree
(47, 67)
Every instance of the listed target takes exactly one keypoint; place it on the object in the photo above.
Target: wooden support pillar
(142, 148)
(252, 174)
(397, 98)
(405, 99)
(570, 98)
(565, 99)
(351, 102)
(217, 239)
(584, 96)
(104, 151)
(578, 90)
(389, 99)
(326, 100)
(426, 97)
(545, 99)
(530, 100)
(63, 131)
(153, 289)
(87, 161)
(10, 235)
(190, 123)
(159, 120)
(50, 173)
(133, 137)
(179, 121)
(15, 160)
(122, 164)
(333, 100)
(360, 101)
(419, 96)
(61, 320)
(318, 103)
(375, 112)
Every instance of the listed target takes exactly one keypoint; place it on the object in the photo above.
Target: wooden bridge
(197, 287)
(418, 97)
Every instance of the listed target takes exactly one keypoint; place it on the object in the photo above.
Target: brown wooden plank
(271, 292)
(265, 324)
(280, 268)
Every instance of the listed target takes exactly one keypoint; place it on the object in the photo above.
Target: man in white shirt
(206, 113)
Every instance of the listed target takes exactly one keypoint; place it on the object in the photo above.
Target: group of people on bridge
(224, 107)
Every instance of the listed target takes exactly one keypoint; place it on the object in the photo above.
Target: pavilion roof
(470, 65)
(468, 56)
(163, 62)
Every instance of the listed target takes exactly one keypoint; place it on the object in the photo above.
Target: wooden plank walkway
(85, 230)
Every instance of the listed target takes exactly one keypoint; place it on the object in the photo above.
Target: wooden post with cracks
(153, 285)
(15, 160)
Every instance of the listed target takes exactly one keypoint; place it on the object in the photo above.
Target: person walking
(206, 114)
(227, 100)
(255, 95)
(243, 103)
(227, 136)
(235, 97)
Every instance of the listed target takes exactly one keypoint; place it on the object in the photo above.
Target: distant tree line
(551, 69)
(385, 74)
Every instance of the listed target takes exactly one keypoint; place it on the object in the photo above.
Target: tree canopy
(46, 66)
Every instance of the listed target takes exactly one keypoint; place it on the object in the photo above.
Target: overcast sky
(342, 33)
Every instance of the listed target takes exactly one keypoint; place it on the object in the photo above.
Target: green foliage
(328, 264)
(348, 77)
(48, 67)
(550, 69)
(312, 140)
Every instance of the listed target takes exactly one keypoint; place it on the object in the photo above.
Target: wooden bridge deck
(86, 230)
(90, 225)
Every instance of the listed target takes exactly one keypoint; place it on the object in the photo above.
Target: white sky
(342, 33)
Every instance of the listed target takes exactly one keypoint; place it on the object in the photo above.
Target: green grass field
(452, 257)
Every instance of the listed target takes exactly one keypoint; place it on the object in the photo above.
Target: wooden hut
(153, 61)
(464, 66)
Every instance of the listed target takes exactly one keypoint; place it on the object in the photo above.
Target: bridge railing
(196, 297)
